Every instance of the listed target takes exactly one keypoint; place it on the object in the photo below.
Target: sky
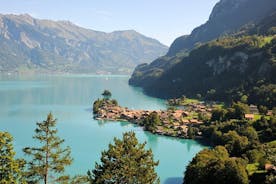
(163, 20)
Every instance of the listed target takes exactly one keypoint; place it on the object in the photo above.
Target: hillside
(29, 44)
(227, 17)
(226, 70)
(234, 67)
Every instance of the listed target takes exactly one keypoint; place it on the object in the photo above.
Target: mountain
(224, 70)
(29, 44)
(227, 17)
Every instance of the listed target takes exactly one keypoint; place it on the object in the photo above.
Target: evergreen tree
(49, 159)
(126, 161)
(151, 121)
(10, 168)
(106, 94)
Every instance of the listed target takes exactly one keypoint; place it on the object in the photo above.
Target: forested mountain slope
(227, 17)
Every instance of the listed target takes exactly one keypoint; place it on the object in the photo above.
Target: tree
(106, 94)
(192, 131)
(244, 99)
(97, 105)
(240, 110)
(218, 114)
(198, 96)
(274, 111)
(10, 168)
(126, 161)
(211, 94)
(49, 159)
(235, 144)
(151, 121)
(215, 167)
(263, 109)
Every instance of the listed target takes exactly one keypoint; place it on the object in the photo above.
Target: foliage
(10, 168)
(204, 117)
(249, 140)
(266, 128)
(215, 167)
(96, 105)
(215, 29)
(79, 179)
(192, 131)
(236, 111)
(234, 143)
(262, 109)
(126, 161)
(151, 121)
(270, 179)
(228, 69)
(49, 159)
(218, 114)
(106, 94)
(101, 102)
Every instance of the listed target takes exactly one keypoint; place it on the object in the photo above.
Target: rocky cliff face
(227, 17)
(60, 46)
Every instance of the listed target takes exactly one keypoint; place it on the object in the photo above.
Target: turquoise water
(24, 100)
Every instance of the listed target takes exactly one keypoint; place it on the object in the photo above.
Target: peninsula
(174, 122)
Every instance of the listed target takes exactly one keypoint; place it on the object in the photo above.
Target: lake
(25, 100)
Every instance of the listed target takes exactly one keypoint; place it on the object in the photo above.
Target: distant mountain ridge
(29, 44)
(227, 17)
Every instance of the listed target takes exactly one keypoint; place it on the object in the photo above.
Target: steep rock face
(60, 46)
(227, 17)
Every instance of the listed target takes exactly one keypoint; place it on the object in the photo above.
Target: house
(253, 109)
(249, 116)
(177, 114)
(194, 121)
(176, 124)
(185, 114)
(270, 167)
(185, 121)
(269, 113)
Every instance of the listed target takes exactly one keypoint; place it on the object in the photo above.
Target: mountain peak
(62, 46)
(227, 16)
(225, 6)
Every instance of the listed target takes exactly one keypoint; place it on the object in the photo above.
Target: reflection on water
(176, 180)
(24, 100)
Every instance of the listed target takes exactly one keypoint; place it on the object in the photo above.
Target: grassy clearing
(272, 143)
(253, 168)
(188, 101)
(257, 117)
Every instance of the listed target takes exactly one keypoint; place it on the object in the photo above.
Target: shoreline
(171, 123)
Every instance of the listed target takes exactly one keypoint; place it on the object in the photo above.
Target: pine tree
(10, 168)
(106, 94)
(50, 159)
(126, 161)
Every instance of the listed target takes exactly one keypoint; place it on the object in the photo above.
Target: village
(181, 114)
(173, 121)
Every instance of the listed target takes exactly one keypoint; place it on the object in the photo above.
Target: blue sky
(164, 20)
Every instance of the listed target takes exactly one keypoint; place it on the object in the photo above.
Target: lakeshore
(171, 122)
